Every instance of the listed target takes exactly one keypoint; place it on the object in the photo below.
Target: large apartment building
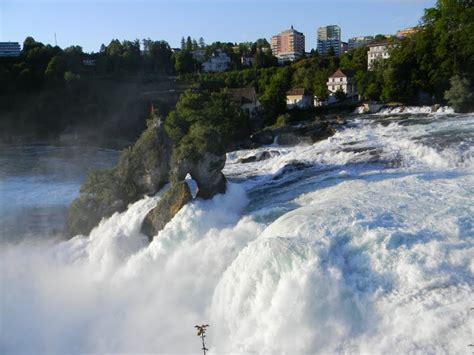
(289, 45)
(9, 49)
(329, 37)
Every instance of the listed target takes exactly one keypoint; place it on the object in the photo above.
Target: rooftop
(343, 73)
(298, 92)
(243, 95)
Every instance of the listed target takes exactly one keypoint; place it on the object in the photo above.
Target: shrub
(460, 95)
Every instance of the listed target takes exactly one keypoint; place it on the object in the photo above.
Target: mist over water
(359, 243)
(37, 185)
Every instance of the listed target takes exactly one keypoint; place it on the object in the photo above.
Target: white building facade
(342, 80)
(377, 52)
(219, 62)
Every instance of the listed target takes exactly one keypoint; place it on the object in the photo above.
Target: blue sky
(91, 22)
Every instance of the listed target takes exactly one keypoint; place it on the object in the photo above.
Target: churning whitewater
(360, 243)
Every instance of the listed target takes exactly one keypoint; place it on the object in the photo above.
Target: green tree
(460, 96)
(184, 63)
(204, 122)
(56, 68)
(274, 97)
(189, 44)
(202, 44)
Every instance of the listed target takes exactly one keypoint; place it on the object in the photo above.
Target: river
(361, 243)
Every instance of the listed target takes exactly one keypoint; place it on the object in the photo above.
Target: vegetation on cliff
(194, 141)
(205, 122)
(142, 169)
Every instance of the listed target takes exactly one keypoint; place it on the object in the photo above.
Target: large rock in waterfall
(169, 205)
(142, 170)
(206, 172)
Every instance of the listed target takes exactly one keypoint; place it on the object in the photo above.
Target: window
(340, 79)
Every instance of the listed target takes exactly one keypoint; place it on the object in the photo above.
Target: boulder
(306, 134)
(170, 204)
(266, 154)
(206, 172)
(263, 137)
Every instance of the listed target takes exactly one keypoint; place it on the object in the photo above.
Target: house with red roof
(342, 80)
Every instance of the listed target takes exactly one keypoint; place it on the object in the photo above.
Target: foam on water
(359, 243)
(414, 110)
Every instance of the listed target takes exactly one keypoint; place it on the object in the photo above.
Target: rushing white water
(415, 110)
(360, 243)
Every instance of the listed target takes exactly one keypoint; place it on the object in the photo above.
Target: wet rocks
(292, 135)
(263, 137)
(266, 154)
(170, 204)
(206, 172)
(307, 134)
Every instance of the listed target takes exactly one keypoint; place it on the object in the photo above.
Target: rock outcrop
(264, 155)
(292, 135)
(169, 205)
(206, 172)
(142, 170)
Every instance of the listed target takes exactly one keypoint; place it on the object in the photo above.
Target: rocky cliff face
(207, 172)
(143, 170)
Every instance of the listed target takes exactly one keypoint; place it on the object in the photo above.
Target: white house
(300, 98)
(377, 51)
(342, 80)
(219, 62)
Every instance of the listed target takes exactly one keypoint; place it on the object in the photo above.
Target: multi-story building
(329, 37)
(288, 45)
(219, 62)
(342, 80)
(377, 51)
(356, 42)
(9, 49)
